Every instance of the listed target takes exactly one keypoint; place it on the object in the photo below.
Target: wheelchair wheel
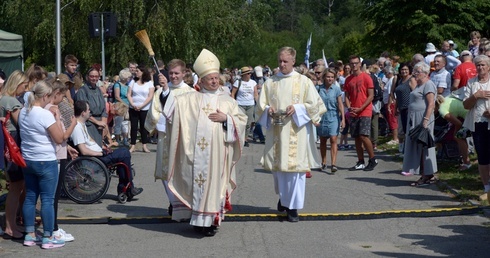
(86, 180)
(122, 198)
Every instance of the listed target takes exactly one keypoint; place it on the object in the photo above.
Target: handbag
(11, 150)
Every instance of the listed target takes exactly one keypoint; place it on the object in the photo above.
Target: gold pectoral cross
(202, 143)
(200, 180)
(207, 109)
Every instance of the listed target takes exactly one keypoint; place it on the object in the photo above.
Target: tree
(177, 29)
(399, 25)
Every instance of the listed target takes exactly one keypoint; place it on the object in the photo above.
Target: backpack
(378, 92)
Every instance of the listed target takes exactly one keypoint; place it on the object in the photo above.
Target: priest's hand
(162, 80)
(218, 117)
(271, 111)
(290, 110)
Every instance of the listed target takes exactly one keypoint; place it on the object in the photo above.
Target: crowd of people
(203, 117)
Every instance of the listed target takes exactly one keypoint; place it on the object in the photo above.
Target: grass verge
(467, 183)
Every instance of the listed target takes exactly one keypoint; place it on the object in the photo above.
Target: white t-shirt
(80, 135)
(36, 142)
(140, 93)
(245, 94)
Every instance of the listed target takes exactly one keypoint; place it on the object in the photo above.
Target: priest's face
(211, 81)
(286, 62)
(176, 75)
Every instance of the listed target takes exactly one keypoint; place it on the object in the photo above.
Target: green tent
(11, 52)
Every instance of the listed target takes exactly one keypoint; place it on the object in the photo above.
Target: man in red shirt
(463, 72)
(359, 93)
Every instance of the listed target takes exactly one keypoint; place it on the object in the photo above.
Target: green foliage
(401, 25)
(243, 32)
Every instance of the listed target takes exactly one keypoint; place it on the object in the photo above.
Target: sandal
(463, 167)
(424, 180)
(334, 169)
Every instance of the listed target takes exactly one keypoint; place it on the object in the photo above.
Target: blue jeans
(41, 178)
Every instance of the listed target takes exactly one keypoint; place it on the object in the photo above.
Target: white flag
(324, 59)
(307, 56)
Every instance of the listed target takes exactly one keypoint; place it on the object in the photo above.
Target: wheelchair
(87, 180)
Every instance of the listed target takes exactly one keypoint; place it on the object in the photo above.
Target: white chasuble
(286, 147)
(203, 155)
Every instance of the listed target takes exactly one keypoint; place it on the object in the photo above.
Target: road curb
(440, 212)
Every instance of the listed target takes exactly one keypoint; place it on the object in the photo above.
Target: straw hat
(245, 70)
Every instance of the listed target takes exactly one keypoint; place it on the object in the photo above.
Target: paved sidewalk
(346, 214)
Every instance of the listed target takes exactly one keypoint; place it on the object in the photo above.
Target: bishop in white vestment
(207, 132)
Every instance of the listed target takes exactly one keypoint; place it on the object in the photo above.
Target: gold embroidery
(203, 144)
(209, 61)
(200, 181)
(207, 109)
(293, 135)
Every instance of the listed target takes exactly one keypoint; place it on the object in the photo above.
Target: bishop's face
(286, 62)
(210, 82)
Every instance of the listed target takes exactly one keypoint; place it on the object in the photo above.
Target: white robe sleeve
(300, 115)
(230, 130)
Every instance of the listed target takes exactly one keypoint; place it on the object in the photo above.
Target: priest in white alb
(162, 104)
(207, 129)
(288, 105)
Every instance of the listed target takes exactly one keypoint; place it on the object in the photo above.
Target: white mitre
(206, 63)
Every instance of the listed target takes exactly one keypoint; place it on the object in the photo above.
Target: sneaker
(61, 234)
(53, 242)
(371, 164)
(392, 142)
(246, 144)
(324, 167)
(31, 241)
(341, 147)
(334, 169)
(407, 173)
(136, 190)
(359, 166)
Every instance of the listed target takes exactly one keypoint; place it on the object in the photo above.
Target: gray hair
(124, 75)
(423, 66)
(482, 58)
(418, 57)
(389, 70)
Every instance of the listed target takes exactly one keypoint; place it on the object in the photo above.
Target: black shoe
(293, 215)
(209, 231)
(170, 209)
(246, 144)
(371, 164)
(136, 190)
(280, 208)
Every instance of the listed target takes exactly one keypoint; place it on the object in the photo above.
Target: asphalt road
(347, 214)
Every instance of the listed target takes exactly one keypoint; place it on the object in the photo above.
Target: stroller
(447, 147)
